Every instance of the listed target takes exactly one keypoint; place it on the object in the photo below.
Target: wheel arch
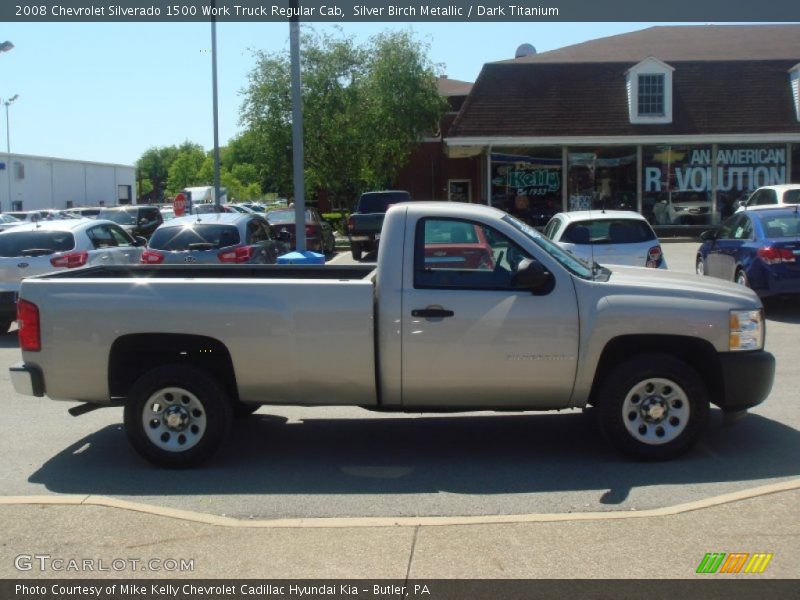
(699, 354)
(133, 355)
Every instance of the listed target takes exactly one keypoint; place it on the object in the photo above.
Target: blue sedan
(755, 248)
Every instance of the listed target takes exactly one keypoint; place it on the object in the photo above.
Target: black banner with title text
(334, 11)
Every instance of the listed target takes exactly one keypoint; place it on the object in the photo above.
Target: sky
(106, 92)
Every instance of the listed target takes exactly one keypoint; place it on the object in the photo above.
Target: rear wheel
(356, 250)
(700, 266)
(177, 416)
(741, 278)
(653, 406)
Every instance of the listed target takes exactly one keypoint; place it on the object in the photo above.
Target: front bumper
(746, 378)
(27, 379)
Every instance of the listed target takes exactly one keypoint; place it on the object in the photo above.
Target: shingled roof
(565, 95)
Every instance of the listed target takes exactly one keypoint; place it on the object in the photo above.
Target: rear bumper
(27, 379)
(747, 379)
(778, 285)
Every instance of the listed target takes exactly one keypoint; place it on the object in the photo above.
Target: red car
(457, 245)
(319, 233)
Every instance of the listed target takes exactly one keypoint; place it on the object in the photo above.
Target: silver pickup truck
(468, 309)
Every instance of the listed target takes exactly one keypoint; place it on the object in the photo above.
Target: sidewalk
(609, 545)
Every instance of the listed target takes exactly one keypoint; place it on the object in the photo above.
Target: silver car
(213, 238)
(613, 237)
(46, 246)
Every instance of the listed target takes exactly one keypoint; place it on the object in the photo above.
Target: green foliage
(364, 109)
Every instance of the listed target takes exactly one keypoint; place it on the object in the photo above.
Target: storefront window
(743, 168)
(676, 184)
(527, 182)
(678, 181)
(602, 178)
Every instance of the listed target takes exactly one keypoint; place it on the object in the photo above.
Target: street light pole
(217, 199)
(8, 103)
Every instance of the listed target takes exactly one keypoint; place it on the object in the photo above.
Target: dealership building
(36, 182)
(676, 122)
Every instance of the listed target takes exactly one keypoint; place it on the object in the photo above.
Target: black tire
(202, 416)
(356, 250)
(653, 406)
(741, 278)
(700, 266)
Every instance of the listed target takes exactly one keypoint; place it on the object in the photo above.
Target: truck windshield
(569, 262)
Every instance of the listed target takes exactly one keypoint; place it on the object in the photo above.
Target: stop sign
(179, 204)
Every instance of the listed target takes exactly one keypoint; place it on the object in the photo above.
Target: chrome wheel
(174, 419)
(700, 268)
(741, 278)
(656, 411)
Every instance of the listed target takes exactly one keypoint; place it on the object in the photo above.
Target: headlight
(680, 208)
(746, 330)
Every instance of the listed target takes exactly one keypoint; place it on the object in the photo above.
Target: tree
(364, 110)
(184, 169)
(153, 168)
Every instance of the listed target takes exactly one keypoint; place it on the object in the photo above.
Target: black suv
(137, 220)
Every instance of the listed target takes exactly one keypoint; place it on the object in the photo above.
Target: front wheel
(177, 416)
(653, 406)
(741, 278)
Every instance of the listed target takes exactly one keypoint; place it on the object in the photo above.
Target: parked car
(457, 245)
(141, 220)
(35, 248)
(683, 210)
(44, 214)
(167, 212)
(240, 208)
(319, 232)
(770, 196)
(618, 237)
(7, 221)
(213, 239)
(755, 248)
(87, 212)
(210, 208)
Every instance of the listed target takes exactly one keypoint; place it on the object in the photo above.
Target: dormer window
(649, 86)
(651, 95)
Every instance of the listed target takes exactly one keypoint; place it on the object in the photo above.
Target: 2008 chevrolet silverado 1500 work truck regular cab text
(468, 309)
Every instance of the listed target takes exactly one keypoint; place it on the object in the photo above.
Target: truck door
(469, 339)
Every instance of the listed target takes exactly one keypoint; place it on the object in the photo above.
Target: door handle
(432, 313)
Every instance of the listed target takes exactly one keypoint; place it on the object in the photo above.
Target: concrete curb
(357, 522)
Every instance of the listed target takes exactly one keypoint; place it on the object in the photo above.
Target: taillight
(28, 323)
(71, 260)
(236, 255)
(654, 257)
(151, 257)
(773, 256)
(310, 230)
(350, 224)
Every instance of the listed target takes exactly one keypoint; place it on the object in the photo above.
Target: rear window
(287, 216)
(378, 202)
(180, 238)
(783, 226)
(449, 232)
(608, 231)
(120, 217)
(32, 243)
(791, 197)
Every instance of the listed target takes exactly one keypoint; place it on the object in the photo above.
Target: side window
(743, 230)
(728, 229)
(255, 232)
(121, 238)
(552, 228)
(101, 237)
(458, 254)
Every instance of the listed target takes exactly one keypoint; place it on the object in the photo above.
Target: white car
(770, 196)
(608, 237)
(7, 221)
(46, 246)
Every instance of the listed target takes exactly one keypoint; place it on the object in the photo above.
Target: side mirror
(709, 235)
(532, 276)
(140, 241)
(742, 203)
